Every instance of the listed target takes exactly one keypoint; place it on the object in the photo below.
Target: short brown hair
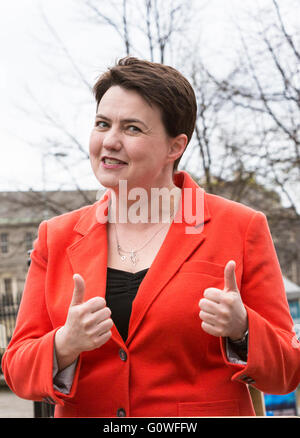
(159, 85)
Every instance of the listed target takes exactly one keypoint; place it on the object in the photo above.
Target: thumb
(79, 289)
(229, 278)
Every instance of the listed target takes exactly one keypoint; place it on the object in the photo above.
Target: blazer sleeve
(28, 360)
(273, 364)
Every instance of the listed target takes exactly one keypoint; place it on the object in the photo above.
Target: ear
(177, 146)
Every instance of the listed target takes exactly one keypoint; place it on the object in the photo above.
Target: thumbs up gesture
(222, 311)
(87, 326)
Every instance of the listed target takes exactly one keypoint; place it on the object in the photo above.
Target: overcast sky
(34, 74)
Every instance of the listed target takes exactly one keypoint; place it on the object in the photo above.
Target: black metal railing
(8, 315)
(9, 308)
(43, 410)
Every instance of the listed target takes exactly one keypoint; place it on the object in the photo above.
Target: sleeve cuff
(63, 380)
(232, 355)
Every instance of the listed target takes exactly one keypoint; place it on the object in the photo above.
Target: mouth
(112, 163)
(107, 160)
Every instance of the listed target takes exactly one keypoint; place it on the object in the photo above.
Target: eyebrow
(101, 116)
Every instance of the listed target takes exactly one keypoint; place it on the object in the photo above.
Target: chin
(108, 181)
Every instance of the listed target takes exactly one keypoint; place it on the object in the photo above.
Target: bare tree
(248, 131)
(147, 28)
(264, 89)
(151, 29)
(246, 125)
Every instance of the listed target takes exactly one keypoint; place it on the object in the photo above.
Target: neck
(142, 208)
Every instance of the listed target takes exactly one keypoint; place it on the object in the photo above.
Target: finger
(95, 304)
(79, 289)
(230, 283)
(207, 317)
(103, 338)
(208, 306)
(98, 317)
(105, 326)
(94, 329)
(100, 329)
(99, 340)
(213, 294)
(210, 329)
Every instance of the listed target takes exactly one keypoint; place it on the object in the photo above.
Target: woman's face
(128, 129)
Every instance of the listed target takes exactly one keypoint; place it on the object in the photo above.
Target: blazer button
(121, 412)
(123, 355)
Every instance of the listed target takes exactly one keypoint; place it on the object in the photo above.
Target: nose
(112, 139)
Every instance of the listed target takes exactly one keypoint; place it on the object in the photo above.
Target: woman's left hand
(222, 311)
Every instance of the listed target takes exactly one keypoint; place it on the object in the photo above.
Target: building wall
(20, 216)
(13, 258)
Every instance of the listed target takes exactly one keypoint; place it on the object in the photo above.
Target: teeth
(112, 161)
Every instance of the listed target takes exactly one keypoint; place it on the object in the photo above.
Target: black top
(121, 289)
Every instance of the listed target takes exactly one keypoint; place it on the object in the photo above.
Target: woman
(123, 315)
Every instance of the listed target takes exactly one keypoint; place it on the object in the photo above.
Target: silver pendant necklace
(133, 257)
(133, 253)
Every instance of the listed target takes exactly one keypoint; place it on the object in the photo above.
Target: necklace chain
(132, 252)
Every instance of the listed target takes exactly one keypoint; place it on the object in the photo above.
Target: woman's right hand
(88, 326)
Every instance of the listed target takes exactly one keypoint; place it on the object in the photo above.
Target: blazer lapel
(178, 245)
(88, 255)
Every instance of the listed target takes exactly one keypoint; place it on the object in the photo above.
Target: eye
(101, 124)
(133, 129)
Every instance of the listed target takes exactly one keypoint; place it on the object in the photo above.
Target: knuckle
(86, 321)
(224, 312)
(83, 326)
(86, 327)
(80, 311)
(223, 327)
(229, 299)
(96, 343)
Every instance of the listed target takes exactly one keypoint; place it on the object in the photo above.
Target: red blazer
(171, 367)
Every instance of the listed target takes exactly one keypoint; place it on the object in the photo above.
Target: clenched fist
(222, 311)
(87, 326)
